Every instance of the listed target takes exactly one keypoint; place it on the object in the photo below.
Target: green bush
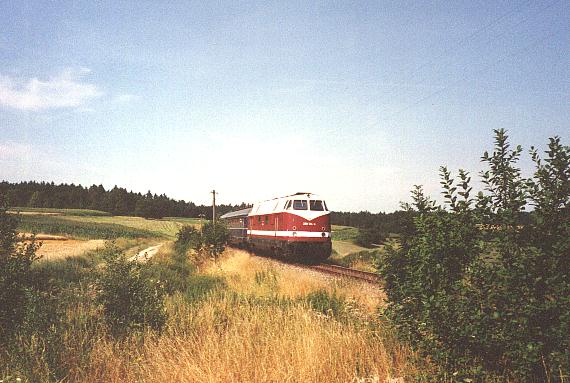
(188, 237)
(328, 304)
(210, 240)
(486, 297)
(214, 237)
(368, 237)
(130, 300)
(16, 288)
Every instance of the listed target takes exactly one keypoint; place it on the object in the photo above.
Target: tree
(484, 295)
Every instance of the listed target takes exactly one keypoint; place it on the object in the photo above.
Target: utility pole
(214, 205)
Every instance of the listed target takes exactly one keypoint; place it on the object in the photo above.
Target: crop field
(90, 224)
(80, 227)
(57, 249)
(344, 233)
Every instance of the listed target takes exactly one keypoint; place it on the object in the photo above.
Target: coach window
(300, 204)
(317, 205)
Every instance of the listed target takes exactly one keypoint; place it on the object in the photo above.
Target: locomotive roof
(306, 194)
(237, 213)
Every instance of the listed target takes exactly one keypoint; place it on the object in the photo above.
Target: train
(295, 227)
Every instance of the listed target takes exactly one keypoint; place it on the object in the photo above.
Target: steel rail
(346, 272)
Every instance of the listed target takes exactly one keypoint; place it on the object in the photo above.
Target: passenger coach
(294, 226)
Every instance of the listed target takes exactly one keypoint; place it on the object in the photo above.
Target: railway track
(346, 272)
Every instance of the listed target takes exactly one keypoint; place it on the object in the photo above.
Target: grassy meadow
(239, 319)
(348, 254)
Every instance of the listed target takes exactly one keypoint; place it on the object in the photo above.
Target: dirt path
(146, 254)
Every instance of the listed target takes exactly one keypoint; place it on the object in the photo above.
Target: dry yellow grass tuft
(57, 249)
(255, 275)
(232, 339)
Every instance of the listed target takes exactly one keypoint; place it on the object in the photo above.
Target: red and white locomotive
(295, 226)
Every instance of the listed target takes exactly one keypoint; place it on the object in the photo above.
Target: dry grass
(259, 328)
(57, 249)
(228, 339)
(249, 274)
(41, 237)
(344, 248)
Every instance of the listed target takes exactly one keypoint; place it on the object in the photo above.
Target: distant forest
(116, 201)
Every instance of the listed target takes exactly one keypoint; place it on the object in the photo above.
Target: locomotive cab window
(317, 205)
(288, 204)
(300, 204)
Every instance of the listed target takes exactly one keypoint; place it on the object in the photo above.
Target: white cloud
(65, 90)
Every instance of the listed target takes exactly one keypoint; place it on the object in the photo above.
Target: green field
(90, 224)
(349, 254)
(344, 233)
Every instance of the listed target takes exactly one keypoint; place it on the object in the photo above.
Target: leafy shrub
(130, 300)
(188, 237)
(214, 237)
(328, 304)
(486, 297)
(210, 240)
(368, 237)
(15, 275)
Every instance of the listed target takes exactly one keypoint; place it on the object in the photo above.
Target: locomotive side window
(258, 219)
(288, 205)
(317, 205)
(300, 204)
(266, 219)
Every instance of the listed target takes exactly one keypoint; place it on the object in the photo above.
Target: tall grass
(233, 339)
(238, 320)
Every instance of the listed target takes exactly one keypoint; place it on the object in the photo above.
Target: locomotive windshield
(300, 204)
(317, 205)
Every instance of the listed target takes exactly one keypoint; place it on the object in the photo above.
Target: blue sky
(357, 101)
